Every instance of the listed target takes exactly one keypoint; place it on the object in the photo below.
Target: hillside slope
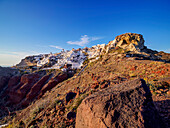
(115, 65)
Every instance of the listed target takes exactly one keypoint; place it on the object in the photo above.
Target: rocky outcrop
(127, 41)
(53, 82)
(17, 93)
(28, 61)
(35, 90)
(37, 87)
(3, 81)
(125, 105)
(131, 41)
(5, 75)
(132, 45)
(22, 90)
(70, 96)
(13, 81)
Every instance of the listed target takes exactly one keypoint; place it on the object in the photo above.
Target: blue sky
(30, 27)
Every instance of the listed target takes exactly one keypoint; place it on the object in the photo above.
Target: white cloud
(167, 50)
(58, 47)
(96, 38)
(84, 40)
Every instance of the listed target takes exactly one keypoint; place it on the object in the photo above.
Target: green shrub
(86, 62)
(77, 102)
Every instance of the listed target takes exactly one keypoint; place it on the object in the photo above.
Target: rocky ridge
(53, 96)
(131, 44)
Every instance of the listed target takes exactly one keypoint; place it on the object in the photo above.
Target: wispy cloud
(13, 53)
(96, 38)
(58, 47)
(10, 58)
(167, 50)
(85, 39)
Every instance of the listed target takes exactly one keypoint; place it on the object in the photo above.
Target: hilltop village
(115, 85)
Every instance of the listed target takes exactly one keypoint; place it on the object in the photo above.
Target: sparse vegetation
(107, 70)
(74, 105)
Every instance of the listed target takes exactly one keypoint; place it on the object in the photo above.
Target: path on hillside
(82, 69)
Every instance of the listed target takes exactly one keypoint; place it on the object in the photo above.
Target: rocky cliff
(51, 96)
(5, 74)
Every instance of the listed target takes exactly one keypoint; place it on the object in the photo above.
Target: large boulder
(128, 41)
(125, 105)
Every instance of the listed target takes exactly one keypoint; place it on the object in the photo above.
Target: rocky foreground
(124, 84)
(124, 105)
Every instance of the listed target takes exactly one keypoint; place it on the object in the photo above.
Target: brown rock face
(13, 81)
(125, 105)
(128, 41)
(5, 74)
(37, 87)
(35, 90)
(3, 81)
(17, 93)
(22, 90)
(131, 41)
(53, 82)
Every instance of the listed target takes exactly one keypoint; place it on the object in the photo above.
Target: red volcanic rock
(53, 82)
(35, 90)
(71, 115)
(3, 81)
(28, 78)
(127, 105)
(70, 96)
(95, 85)
(28, 81)
(19, 92)
(30, 86)
(13, 81)
(12, 84)
(103, 85)
(37, 87)
(5, 74)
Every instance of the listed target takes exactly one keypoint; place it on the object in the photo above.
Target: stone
(71, 115)
(70, 96)
(103, 85)
(94, 86)
(124, 105)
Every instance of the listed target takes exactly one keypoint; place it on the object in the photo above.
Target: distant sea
(5, 66)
